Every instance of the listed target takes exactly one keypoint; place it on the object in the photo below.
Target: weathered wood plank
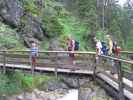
(114, 84)
(88, 72)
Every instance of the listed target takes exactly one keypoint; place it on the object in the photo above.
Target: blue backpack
(76, 45)
(104, 48)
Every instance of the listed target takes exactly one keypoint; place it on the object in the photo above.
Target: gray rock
(11, 11)
(101, 93)
(83, 81)
(71, 82)
(85, 94)
(55, 84)
(20, 97)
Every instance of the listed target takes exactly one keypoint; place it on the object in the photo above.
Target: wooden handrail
(127, 52)
(118, 59)
(78, 52)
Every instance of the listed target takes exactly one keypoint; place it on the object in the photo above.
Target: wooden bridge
(84, 64)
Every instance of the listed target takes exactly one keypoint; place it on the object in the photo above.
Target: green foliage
(92, 19)
(73, 26)
(116, 32)
(100, 35)
(30, 6)
(16, 82)
(52, 26)
(129, 43)
(40, 81)
(8, 86)
(44, 44)
(84, 7)
(7, 36)
(53, 11)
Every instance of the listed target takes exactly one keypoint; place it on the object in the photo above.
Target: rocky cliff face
(29, 27)
(11, 12)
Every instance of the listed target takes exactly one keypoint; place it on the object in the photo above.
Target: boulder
(32, 26)
(71, 82)
(11, 11)
(20, 97)
(86, 94)
(31, 29)
(55, 84)
(29, 26)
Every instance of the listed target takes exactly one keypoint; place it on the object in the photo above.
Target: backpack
(104, 48)
(76, 45)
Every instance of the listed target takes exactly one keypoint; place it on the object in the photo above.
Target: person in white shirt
(98, 49)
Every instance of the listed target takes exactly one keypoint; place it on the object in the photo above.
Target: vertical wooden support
(32, 66)
(95, 67)
(120, 81)
(4, 62)
(56, 67)
(79, 90)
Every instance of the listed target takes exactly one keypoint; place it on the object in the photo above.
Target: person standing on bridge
(34, 54)
(98, 49)
(71, 47)
(116, 49)
(111, 46)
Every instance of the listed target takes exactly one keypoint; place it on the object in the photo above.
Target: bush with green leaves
(7, 36)
(31, 7)
(52, 26)
(17, 82)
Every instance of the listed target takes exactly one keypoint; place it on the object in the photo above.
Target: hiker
(71, 47)
(111, 52)
(34, 54)
(110, 45)
(116, 49)
(98, 49)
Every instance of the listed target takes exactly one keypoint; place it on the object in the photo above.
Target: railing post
(95, 67)
(120, 81)
(56, 67)
(4, 62)
(32, 66)
(79, 90)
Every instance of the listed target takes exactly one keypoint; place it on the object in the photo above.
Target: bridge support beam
(120, 81)
(4, 62)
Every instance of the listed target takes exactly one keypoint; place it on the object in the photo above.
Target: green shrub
(16, 82)
(29, 6)
(7, 36)
(52, 26)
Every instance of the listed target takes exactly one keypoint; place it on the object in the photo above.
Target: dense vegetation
(16, 82)
(83, 19)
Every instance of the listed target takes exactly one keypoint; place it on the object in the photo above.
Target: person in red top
(117, 50)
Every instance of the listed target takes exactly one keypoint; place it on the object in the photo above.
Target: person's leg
(33, 64)
(113, 67)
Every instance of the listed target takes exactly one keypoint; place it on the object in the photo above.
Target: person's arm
(73, 45)
(37, 50)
